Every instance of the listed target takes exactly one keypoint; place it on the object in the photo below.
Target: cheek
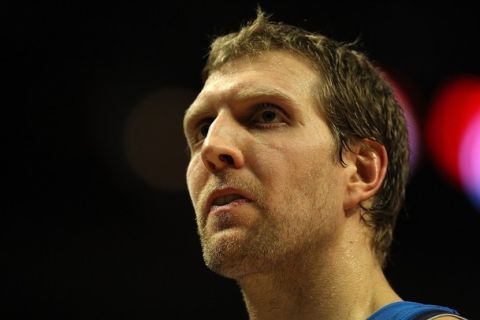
(288, 161)
(194, 178)
(301, 171)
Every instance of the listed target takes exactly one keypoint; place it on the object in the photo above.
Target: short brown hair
(357, 101)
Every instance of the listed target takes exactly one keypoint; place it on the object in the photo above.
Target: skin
(296, 245)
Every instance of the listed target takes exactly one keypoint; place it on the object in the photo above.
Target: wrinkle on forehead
(287, 76)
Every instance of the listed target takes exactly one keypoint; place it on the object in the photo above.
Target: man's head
(338, 103)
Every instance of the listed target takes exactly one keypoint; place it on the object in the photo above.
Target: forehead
(276, 73)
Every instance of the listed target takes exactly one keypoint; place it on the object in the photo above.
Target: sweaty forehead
(279, 74)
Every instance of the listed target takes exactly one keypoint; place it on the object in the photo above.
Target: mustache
(230, 180)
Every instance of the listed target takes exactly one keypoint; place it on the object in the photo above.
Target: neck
(321, 286)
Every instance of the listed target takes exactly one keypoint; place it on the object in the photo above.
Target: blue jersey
(406, 310)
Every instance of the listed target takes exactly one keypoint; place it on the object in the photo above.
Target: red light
(405, 102)
(470, 160)
(452, 111)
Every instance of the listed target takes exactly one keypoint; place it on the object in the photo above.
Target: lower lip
(218, 210)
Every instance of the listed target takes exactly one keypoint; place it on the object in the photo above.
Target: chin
(231, 258)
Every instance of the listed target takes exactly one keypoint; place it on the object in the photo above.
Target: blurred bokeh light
(470, 160)
(453, 133)
(154, 144)
(409, 109)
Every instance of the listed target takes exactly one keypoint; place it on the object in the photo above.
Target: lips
(226, 196)
(221, 201)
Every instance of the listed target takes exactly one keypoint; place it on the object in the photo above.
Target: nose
(221, 148)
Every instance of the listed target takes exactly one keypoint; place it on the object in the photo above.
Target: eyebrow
(257, 92)
(244, 94)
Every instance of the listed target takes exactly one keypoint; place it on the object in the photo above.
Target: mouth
(221, 201)
(226, 197)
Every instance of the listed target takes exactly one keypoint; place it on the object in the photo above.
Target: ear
(368, 160)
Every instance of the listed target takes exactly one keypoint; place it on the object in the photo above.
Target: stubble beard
(236, 256)
(283, 237)
(289, 229)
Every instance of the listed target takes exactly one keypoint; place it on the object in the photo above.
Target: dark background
(86, 235)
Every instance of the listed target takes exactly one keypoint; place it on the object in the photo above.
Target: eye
(202, 130)
(268, 114)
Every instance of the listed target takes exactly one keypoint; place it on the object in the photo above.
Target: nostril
(211, 165)
(226, 158)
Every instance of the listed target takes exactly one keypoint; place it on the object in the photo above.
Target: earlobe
(369, 160)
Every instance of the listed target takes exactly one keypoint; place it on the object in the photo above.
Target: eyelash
(258, 110)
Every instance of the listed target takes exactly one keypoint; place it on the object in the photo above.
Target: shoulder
(446, 318)
(402, 310)
(449, 317)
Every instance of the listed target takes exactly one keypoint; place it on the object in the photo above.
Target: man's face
(262, 177)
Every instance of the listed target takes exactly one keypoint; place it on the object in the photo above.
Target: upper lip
(225, 192)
